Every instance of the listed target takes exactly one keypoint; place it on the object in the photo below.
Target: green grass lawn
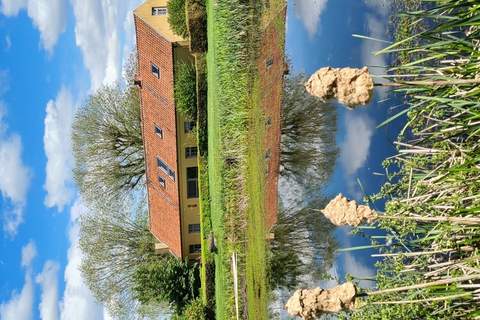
(236, 158)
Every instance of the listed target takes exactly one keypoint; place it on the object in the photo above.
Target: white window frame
(159, 11)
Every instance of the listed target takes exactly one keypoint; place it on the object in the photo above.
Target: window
(165, 168)
(194, 228)
(192, 182)
(159, 131)
(159, 11)
(162, 182)
(268, 154)
(195, 248)
(189, 126)
(269, 63)
(155, 70)
(268, 122)
(191, 152)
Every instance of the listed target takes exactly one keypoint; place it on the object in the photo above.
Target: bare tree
(304, 245)
(108, 147)
(114, 242)
(308, 135)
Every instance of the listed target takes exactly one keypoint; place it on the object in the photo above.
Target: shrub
(186, 90)
(194, 311)
(197, 25)
(168, 280)
(177, 17)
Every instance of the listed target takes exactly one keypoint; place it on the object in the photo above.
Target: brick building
(170, 145)
(171, 148)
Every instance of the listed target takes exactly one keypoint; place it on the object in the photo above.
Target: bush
(186, 90)
(169, 280)
(194, 311)
(177, 17)
(197, 25)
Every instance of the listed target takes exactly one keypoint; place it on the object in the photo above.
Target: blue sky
(319, 34)
(53, 53)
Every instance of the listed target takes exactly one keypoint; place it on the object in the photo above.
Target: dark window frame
(166, 168)
(162, 182)
(158, 131)
(155, 70)
(194, 228)
(191, 152)
(192, 182)
(189, 126)
(195, 248)
(269, 62)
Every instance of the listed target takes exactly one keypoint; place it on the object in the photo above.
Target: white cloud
(8, 43)
(20, 305)
(48, 281)
(100, 46)
(310, 11)
(78, 302)
(358, 269)
(355, 146)
(14, 181)
(58, 149)
(29, 252)
(48, 16)
(376, 27)
(12, 7)
(381, 7)
(14, 175)
(354, 149)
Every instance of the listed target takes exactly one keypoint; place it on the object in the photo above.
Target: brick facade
(158, 108)
(271, 66)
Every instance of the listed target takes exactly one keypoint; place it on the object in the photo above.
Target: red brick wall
(158, 108)
(272, 84)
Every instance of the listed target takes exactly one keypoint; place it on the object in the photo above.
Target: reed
(435, 177)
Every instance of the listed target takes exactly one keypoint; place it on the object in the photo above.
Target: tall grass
(436, 172)
(230, 80)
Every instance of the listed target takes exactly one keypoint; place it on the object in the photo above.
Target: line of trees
(304, 245)
(119, 263)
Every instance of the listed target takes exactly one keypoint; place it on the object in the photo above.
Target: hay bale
(341, 212)
(312, 303)
(349, 86)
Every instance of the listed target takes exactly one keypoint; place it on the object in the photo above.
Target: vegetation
(435, 176)
(207, 271)
(236, 127)
(197, 25)
(194, 311)
(308, 149)
(177, 17)
(119, 258)
(227, 57)
(108, 147)
(173, 281)
(114, 243)
(185, 90)
(301, 236)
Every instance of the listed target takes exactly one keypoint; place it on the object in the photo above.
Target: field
(431, 267)
(236, 163)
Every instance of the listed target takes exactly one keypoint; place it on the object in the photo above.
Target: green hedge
(186, 90)
(177, 17)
